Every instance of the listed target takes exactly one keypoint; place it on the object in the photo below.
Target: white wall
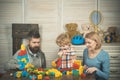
(51, 15)
(10, 12)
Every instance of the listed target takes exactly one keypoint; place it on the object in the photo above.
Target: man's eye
(36, 42)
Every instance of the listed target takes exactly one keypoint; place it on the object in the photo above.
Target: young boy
(66, 52)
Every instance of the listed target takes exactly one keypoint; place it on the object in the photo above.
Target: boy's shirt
(68, 58)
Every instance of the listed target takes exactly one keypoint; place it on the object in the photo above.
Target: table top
(7, 76)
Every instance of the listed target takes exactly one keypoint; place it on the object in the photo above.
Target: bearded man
(34, 54)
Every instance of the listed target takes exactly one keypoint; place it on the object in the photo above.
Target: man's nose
(37, 44)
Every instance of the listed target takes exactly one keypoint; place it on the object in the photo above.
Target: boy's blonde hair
(95, 37)
(63, 39)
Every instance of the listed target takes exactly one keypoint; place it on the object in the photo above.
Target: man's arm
(12, 63)
(43, 60)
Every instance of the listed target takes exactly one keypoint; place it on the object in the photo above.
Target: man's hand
(17, 66)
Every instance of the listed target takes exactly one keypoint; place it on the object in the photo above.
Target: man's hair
(33, 34)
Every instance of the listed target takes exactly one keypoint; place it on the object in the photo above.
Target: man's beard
(34, 49)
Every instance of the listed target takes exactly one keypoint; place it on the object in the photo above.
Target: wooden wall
(51, 15)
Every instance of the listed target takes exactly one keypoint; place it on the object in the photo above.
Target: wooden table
(7, 76)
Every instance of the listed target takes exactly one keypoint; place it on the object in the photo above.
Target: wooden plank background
(51, 15)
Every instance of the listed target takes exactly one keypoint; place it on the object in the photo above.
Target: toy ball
(78, 40)
(108, 39)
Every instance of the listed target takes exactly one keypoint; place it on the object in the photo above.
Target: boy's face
(64, 47)
(34, 44)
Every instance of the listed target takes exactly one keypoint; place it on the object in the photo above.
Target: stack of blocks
(26, 69)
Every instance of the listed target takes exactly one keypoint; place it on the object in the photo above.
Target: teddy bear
(72, 29)
(113, 33)
(118, 38)
(86, 28)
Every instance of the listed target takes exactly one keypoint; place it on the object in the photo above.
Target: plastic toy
(47, 78)
(77, 40)
(32, 77)
(54, 72)
(39, 77)
(22, 57)
(108, 39)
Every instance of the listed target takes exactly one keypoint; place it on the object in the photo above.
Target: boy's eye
(87, 42)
